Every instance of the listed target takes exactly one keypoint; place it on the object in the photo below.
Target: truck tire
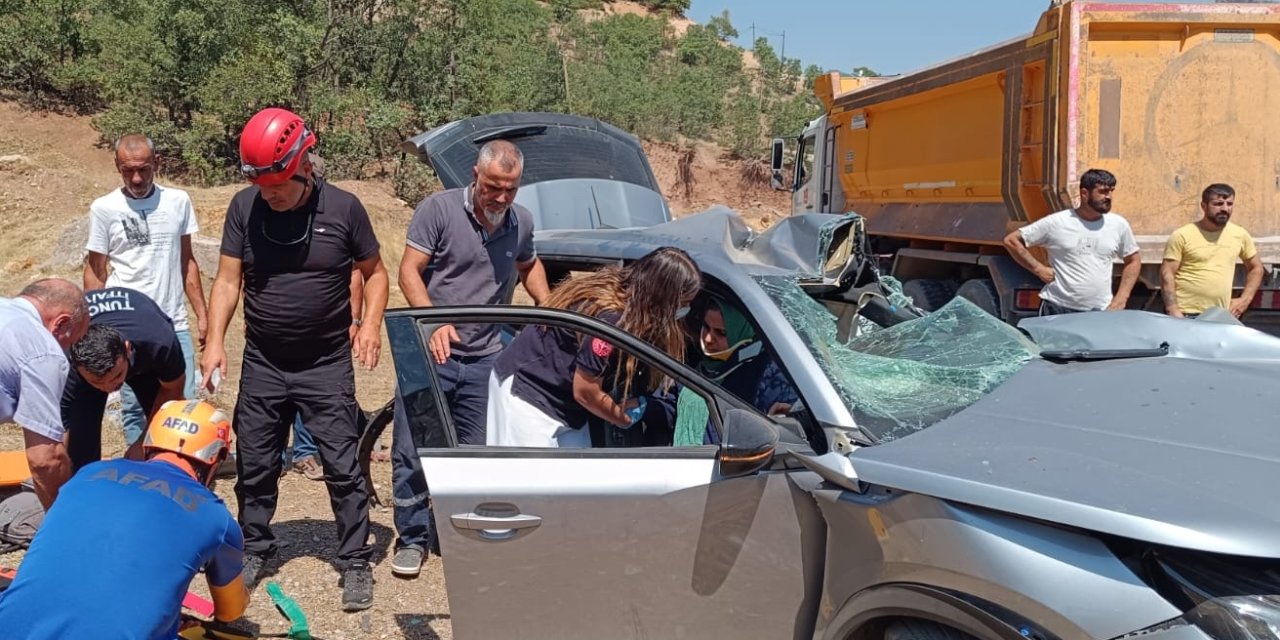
(981, 292)
(913, 629)
(927, 294)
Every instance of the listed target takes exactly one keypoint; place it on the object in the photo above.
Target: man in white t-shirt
(1082, 244)
(143, 231)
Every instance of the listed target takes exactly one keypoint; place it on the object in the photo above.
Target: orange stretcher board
(13, 468)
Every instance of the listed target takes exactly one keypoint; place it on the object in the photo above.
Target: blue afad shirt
(116, 554)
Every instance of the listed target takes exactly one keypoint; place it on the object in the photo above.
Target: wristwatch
(357, 321)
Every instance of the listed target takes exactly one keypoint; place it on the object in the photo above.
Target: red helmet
(272, 146)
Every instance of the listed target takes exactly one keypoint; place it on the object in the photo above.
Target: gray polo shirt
(468, 264)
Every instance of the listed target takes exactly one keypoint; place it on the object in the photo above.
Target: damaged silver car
(939, 476)
(943, 475)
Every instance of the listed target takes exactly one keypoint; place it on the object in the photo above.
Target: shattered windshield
(901, 379)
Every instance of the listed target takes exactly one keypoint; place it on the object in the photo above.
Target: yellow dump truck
(945, 161)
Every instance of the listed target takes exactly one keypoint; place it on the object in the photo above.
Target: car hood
(1170, 450)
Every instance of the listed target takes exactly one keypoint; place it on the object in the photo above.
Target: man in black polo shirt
(464, 246)
(291, 240)
(130, 341)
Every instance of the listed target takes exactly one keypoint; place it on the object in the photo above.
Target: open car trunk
(579, 173)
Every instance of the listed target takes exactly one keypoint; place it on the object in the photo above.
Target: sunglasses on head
(254, 172)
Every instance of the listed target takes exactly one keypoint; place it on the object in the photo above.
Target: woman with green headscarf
(733, 357)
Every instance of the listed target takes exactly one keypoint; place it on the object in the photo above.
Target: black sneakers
(357, 586)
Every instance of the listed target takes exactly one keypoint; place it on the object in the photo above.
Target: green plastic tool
(298, 629)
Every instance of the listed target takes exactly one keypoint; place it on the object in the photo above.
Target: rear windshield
(566, 152)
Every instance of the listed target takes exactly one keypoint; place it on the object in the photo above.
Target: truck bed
(1169, 97)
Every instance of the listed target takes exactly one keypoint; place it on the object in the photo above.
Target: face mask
(747, 351)
(719, 355)
(681, 313)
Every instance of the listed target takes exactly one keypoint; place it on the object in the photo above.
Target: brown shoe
(309, 468)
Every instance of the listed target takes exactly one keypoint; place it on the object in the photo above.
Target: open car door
(650, 541)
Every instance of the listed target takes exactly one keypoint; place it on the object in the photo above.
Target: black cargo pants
(272, 390)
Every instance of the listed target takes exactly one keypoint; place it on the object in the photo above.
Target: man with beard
(290, 241)
(1200, 260)
(464, 246)
(1082, 244)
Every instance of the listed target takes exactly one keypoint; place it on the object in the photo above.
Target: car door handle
(494, 527)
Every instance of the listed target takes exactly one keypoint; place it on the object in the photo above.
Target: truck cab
(813, 185)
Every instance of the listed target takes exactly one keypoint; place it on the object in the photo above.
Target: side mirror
(747, 445)
(775, 164)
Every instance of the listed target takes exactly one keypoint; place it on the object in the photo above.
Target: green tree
(367, 74)
(722, 26)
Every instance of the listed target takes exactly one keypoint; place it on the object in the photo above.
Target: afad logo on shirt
(601, 348)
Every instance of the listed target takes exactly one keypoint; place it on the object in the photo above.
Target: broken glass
(900, 379)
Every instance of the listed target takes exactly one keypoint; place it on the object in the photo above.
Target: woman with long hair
(549, 381)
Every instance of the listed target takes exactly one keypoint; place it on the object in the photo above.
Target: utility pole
(767, 34)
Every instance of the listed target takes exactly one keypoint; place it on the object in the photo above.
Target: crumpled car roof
(796, 245)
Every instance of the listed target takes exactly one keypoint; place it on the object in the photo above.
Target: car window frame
(417, 331)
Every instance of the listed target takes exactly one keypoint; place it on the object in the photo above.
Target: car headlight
(1227, 598)
(1238, 617)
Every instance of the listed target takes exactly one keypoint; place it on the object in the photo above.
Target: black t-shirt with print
(156, 352)
(297, 269)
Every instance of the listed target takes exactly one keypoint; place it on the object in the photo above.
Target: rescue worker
(116, 553)
(549, 381)
(290, 241)
(131, 340)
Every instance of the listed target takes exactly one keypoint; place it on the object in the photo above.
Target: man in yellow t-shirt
(1200, 260)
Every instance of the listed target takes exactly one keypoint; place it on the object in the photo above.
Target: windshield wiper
(1066, 355)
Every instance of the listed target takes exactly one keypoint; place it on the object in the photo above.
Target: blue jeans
(304, 445)
(415, 523)
(464, 382)
(133, 416)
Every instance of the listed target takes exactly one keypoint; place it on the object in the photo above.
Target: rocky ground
(51, 168)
